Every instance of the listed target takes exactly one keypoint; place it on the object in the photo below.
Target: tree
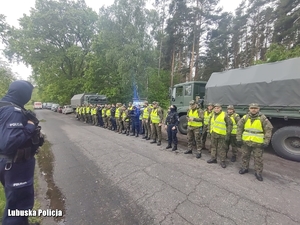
(7, 77)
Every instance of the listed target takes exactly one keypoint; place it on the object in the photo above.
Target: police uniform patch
(15, 125)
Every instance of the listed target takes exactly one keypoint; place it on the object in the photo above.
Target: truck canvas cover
(271, 84)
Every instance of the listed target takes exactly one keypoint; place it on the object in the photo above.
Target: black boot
(259, 176)
(188, 152)
(174, 148)
(212, 160)
(242, 171)
(169, 146)
(223, 164)
(147, 138)
(136, 135)
(158, 143)
(198, 155)
(233, 158)
(152, 142)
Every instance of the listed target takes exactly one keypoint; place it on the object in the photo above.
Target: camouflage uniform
(119, 118)
(156, 125)
(126, 121)
(104, 116)
(206, 114)
(251, 146)
(232, 141)
(146, 121)
(218, 141)
(193, 132)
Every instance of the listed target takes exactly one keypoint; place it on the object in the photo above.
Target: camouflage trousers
(82, 117)
(87, 118)
(95, 120)
(106, 121)
(147, 128)
(204, 135)
(119, 125)
(193, 133)
(233, 144)
(156, 132)
(257, 155)
(127, 126)
(218, 146)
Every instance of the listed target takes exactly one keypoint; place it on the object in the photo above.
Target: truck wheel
(286, 142)
(182, 127)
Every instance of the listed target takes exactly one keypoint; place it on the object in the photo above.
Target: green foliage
(278, 52)
(6, 76)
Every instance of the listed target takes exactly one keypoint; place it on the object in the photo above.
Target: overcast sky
(14, 9)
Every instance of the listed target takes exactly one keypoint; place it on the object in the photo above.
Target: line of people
(251, 133)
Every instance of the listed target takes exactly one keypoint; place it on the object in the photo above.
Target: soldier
(112, 117)
(220, 127)
(104, 117)
(171, 125)
(156, 117)
(232, 141)
(146, 120)
(108, 115)
(125, 119)
(118, 118)
(207, 115)
(130, 122)
(141, 127)
(88, 114)
(96, 122)
(83, 112)
(195, 122)
(254, 133)
(79, 113)
(99, 113)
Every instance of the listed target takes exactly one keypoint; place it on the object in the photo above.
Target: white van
(37, 105)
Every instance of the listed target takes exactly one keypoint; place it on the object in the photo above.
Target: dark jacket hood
(19, 92)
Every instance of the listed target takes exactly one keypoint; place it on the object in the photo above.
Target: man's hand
(30, 122)
(160, 124)
(174, 128)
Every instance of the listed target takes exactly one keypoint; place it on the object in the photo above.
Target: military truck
(274, 86)
(86, 98)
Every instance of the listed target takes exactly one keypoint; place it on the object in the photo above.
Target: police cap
(218, 105)
(192, 102)
(254, 105)
(230, 107)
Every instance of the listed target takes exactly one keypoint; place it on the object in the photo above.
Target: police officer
(171, 125)
(254, 133)
(18, 145)
(135, 118)
(146, 120)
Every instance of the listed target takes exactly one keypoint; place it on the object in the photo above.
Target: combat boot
(233, 158)
(212, 161)
(147, 138)
(152, 142)
(198, 155)
(259, 176)
(136, 135)
(188, 151)
(158, 143)
(223, 164)
(174, 148)
(169, 146)
(243, 171)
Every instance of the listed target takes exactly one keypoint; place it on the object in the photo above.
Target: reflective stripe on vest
(194, 114)
(206, 117)
(108, 113)
(218, 125)
(117, 115)
(253, 132)
(146, 113)
(154, 116)
(124, 116)
(234, 125)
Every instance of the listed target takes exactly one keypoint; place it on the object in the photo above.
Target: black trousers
(172, 135)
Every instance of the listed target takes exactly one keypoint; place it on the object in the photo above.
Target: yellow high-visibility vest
(146, 113)
(83, 110)
(108, 113)
(234, 125)
(207, 115)
(87, 109)
(154, 116)
(218, 124)
(117, 114)
(194, 114)
(124, 116)
(103, 112)
(253, 131)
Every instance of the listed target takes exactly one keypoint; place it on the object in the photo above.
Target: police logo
(15, 125)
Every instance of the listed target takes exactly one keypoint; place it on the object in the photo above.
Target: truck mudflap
(286, 142)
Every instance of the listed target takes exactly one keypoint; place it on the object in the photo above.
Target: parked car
(37, 105)
(48, 105)
(59, 109)
(54, 107)
(67, 109)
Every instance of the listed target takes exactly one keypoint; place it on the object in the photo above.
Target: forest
(73, 49)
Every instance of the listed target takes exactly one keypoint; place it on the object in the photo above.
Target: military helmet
(230, 107)
(218, 105)
(210, 104)
(254, 105)
(146, 102)
(192, 102)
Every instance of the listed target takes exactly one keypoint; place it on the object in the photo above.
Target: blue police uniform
(15, 133)
(135, 118)
(172, 120)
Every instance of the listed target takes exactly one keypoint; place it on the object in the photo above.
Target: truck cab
(182, 94)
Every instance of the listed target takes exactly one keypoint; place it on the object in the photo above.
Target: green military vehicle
(87, 98)
(274, 86)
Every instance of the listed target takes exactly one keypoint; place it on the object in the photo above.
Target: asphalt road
(111, 179)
